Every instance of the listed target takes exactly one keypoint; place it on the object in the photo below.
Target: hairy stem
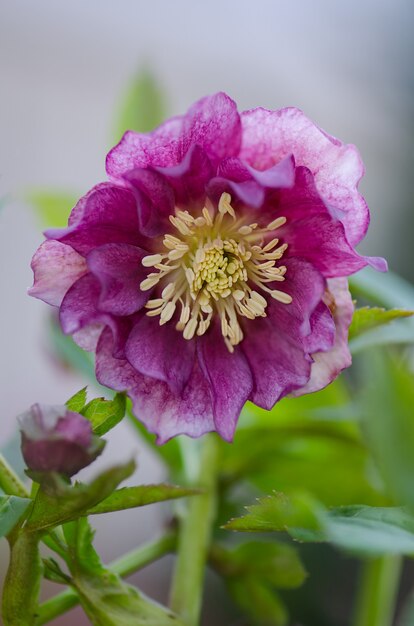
(22, 584)
(124, 566)
(195, 534)
(378, 591)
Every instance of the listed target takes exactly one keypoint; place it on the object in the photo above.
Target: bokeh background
(63, 69)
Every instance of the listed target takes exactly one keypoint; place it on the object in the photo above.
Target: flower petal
(189, 178)
(160, 147)
(108, 214)
(313, 234)
(213, 123)
(275, 346)
(155, 200)
(163, 412)
(119, 270)
(161, 352)
(328, 365)
(79, 316)
(269, 136)
(54, 259)
(230, 378)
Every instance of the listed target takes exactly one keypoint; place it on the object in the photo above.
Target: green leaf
(78, 401)
(107, 600)
(388, 423)
(131, 497)
(367, 318)
(389, 290)
(63, 503)
(278, 512)
(52, 207)
(370, 530)
(12, 508)
(276, 564)
(260, 603)
(105, 414)
(143, 106)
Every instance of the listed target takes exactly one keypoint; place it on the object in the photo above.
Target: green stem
(378, 591)
(22, 584)
(10, 482)
(124, 566)
(195, 535)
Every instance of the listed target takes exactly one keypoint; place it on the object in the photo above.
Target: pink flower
(211, 269)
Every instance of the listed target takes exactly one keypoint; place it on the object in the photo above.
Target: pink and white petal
(322, 336)
(164, 413)
(162, 147)
(119, 270)
(161, 352)
(230, 379)
(213, 123)
(328, 365)
(269, 136)
(56, 267)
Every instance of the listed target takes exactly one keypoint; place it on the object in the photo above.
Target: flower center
(214, 265)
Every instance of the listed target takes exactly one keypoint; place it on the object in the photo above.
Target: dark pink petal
(161, 352)
(79, 316)
(56, 267)
(230, 380)
(269, 136)
(119, 270)
(189, 178)
(163, 412)
(155, 200)
(275, 346)
(278, 363)
(327, 365)
(313, 234)
(108, 214)
(248, 184)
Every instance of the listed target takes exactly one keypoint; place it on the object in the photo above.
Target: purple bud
(57, 440)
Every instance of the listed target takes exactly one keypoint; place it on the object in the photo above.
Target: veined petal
(328, 364)
(161, 352)
(54, 259)
(163, 412)
(269, 136)
(230, 379)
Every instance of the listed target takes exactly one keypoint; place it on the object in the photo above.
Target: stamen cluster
(215, 264)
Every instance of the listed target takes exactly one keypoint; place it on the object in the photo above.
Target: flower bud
(57, 440)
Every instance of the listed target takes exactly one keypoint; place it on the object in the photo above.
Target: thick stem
(22, 584)
(378, 591)
(124, 566)
(195, 535)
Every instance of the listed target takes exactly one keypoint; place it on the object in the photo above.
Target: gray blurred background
(63, 66)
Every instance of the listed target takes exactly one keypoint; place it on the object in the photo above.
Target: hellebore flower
(212, 268)
(57, 440)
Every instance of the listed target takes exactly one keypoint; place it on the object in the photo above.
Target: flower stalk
(195, 536)
(378, 591)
